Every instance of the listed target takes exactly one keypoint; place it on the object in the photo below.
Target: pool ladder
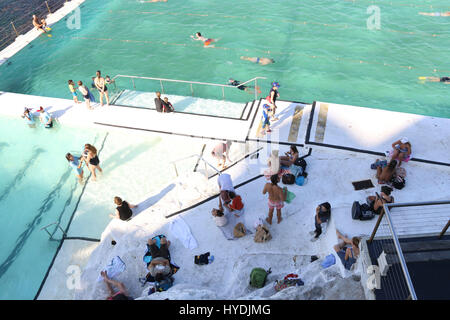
(57, 227)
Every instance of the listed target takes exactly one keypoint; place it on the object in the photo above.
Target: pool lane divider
(67, 228)
(212, 197)
(375, 153)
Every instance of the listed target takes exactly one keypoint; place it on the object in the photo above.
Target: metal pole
(256, 90)
(175, 167)
(445, 229)
(134, 87)
(162, 87)
(400, 255)
(223, 93)
(380, 217)
(48, 7)
(17, 34)
(192, 90)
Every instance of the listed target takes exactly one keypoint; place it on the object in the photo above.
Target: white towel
(181, 231)
(116, 267)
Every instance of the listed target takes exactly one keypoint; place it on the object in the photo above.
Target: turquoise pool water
(322, 50)
(37, 188)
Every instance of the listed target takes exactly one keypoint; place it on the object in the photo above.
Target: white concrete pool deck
(331, 171)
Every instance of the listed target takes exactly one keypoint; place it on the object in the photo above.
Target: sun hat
(275, 84)
(40, 109)
(404, 140)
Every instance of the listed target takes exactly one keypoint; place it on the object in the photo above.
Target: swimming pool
(37, 188)
(322, 50)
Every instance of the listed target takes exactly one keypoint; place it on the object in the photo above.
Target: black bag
(361, 212)
(398, 182)
(288, 178)
(356, 210)
(301, 162)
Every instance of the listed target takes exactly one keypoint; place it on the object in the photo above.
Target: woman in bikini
(376, 202)
(401, 150)
(91, 159)
(290, 157)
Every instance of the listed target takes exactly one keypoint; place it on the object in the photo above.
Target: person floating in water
(28, 117)
(436, 14)
(206, 41)
(38, 25)
(248, 89)
(445, 80)
(257, 60)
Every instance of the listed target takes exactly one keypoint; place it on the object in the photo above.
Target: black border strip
(67, 228)
(117, 97)
(212, 197)
(253, 120)
(307, 103)
(237, 161)
(310, 122)
(201, 155)
(277, 142)
(181, 112)
(243, 111)
(167, 132)
(251, 109)
(82, 238)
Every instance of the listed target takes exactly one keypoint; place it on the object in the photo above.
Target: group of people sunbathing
(401, 152)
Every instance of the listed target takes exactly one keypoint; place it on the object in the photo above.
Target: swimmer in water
(262, 61)
(436, 14)
(248, 89)
(206, 41)
(445, 80)
(37, 25)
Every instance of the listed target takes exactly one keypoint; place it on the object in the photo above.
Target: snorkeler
(28, 117)
(248, 89)
(445, 80)
(206, 41)
(39, 26)
(436, 14)
(262, 61)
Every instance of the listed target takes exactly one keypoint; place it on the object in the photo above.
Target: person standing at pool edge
(74, 91)
(86, 94)
(45, 118)
(101, 87)
(272, 98)
(276, 197)
(91, 159)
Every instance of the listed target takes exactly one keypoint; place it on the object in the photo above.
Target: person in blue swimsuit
(29, 118)
(75, 163)
(347, 254)
(266, 119)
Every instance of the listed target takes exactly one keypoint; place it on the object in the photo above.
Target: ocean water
(323, 50)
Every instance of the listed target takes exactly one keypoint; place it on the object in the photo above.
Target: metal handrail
(51, 224)
(190, 82)
(192, 156)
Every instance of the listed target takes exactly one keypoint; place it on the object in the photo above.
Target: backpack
(288, 178)
(262, 234)
(301, 163)
(398, 182)
(361, 212)
(258, 277)
(300, 180)
(162, 285)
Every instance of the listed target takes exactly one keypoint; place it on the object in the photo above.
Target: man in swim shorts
(45, 118)
(258, 60)
(445, 80)
(220, 152)
(245, 88)
(277, 196)
(101, 87)
(159, 102)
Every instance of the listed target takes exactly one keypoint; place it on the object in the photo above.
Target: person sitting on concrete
(167, 106)
(37, 24)
(323, 214)
(401, 150)
(290, 157)
(122, 294)
(376, 202)
(236, 206)
(384, 175)
(159, 267)
(347, 250)
(123, 209)
(220, 152)
(159, 102)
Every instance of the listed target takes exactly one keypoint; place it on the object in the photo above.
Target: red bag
(237, 203)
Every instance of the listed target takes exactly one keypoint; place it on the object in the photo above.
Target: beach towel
(228, 229)
(181, 231)
(328, 261)
(114, 268)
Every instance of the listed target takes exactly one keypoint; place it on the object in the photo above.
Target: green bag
(289, 196)
(258, 277)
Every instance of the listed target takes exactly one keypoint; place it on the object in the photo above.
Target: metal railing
(200, 158)
(161, 80)
(57, 227)
(385, 243)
